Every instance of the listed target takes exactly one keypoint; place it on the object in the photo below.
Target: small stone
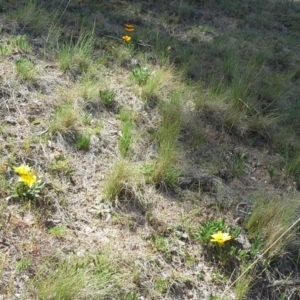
(185, 236)
(94, 140)
(81, 253)
(10, 120)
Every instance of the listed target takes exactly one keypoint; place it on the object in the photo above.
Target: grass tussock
(270, 218)
(33, 17)
(26, 70)
(76, 56)
(11, 43)
(126, 136)
(64, 120)
(165, 170)
(122, 182)
(158, 84)
(93, 277)
(243, 285)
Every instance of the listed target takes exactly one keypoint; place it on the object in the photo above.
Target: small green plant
(108, 97)
(15, 43)
(162, 285)
(216, 236)
(61, 165)
(22, 191)
(58, 231)
(21, 42)
(209, 228)
(238, 167)
(141, 75)
(26, 69)
(23, 264)
(246, 255)
(29, 186)
(87, 119)
(147, 170)
(159, 243)
(218, 277)
(83, 141)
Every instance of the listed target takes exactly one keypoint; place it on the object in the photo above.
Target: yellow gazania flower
(221, 237)
(29, 179)
(26, 175)
(22, 170)
(126, 38)
(129, 27)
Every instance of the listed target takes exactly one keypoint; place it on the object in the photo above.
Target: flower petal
(22, 170)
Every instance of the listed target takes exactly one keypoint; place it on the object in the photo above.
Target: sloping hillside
(149, 149)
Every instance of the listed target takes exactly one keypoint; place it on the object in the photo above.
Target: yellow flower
(26, 175)
(126, 38)
(129, 27)
(29, 179)
(22, 170)
(220, 237)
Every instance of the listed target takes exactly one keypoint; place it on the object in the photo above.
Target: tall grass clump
(293, 165)
(165, 170)
(65, 118)
(76, 56)
(126, 137)
(26, 70)
(93, 277)
(122, 182)
(89, 89)
(270, 218)
(13, 43)
(244, 284)
(32, 16)
(157, 83)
